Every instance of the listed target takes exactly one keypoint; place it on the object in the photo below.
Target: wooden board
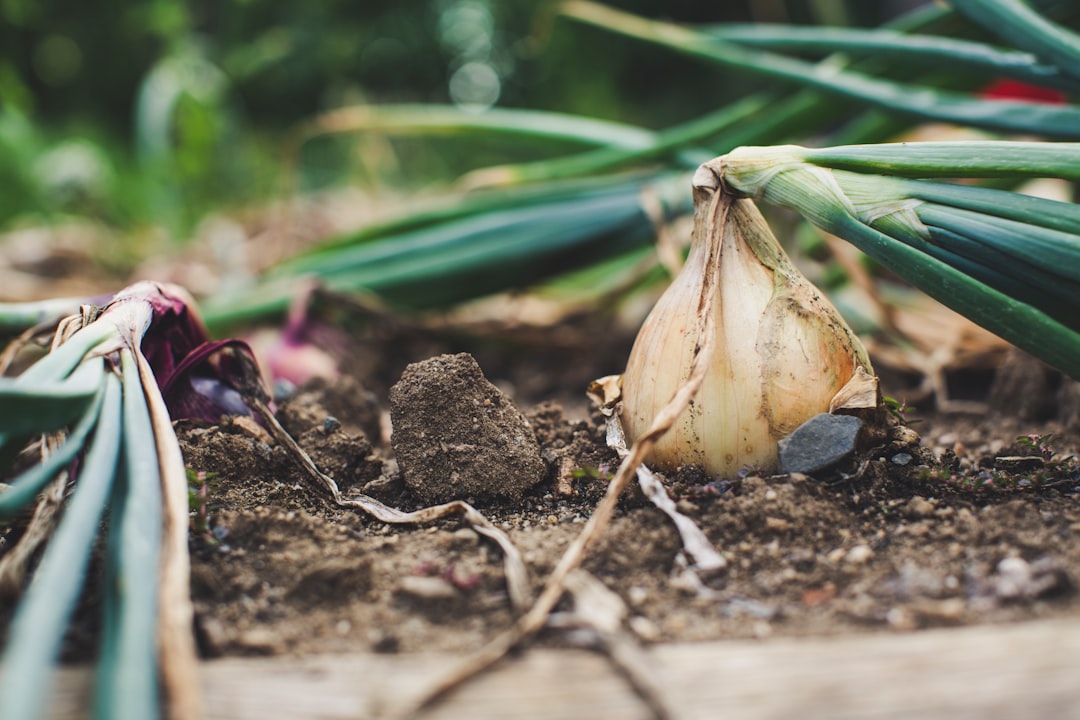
(1029, 671)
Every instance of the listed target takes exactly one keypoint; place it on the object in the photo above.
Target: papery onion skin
(782, 349)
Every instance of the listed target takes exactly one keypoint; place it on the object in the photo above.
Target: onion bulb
(781, 350)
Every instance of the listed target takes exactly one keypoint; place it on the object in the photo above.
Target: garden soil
(966, 526)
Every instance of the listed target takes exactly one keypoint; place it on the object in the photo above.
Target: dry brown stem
(603, 612)
(14, 563)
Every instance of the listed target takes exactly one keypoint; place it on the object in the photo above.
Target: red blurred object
(305, 348)
(1006, 89)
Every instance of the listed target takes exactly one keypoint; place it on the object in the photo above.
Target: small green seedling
(199, 484)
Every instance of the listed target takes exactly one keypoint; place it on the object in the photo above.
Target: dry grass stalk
(14, 563)
(601, 611)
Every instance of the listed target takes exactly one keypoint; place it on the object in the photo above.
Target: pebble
(762, 629)
(819, 443)
(904, 436)
(916, 581)
(466, 536)
(644, 628)
(919, 507)
(686, 507)
(949, 610)
(252, 429)
(382, 641)
(214, 634)
(427, 588)
(901, 619)
(1016, 578)
(859, 555)
(753, 608)
(778, 524)
(259, 639)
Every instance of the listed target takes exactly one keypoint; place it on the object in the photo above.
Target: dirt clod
(457, 436)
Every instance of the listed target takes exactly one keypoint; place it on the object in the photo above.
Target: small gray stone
(859, 555)
(1017, 579)
(819, 443)
(423, 587)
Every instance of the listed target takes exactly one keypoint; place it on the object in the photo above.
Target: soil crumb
(457, 437)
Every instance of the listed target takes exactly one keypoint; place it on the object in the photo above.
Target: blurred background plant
(156, 115)
(436, 150)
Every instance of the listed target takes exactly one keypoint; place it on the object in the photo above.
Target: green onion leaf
(1053, 121)
(929, 50)
(24, 488)
(1027, 209)
(954, 159)
(46, 406)
(449, 120)
(42, 617)
(126, 680)
(464, 255)
(1021, 25)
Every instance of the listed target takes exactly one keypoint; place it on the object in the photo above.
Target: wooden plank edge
(1027, 670)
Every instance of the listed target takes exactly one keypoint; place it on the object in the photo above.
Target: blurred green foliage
(158, 113)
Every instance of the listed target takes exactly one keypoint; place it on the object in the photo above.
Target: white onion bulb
(782, 350)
